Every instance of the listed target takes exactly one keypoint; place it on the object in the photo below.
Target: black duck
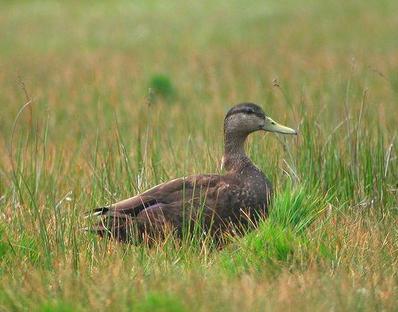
(217, 202)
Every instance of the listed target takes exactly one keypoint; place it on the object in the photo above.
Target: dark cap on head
(246, 108)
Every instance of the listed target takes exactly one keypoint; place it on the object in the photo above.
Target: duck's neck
(235, 158)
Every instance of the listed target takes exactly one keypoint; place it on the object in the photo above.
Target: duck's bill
(273, 126)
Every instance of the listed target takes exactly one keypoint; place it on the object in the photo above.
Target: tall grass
(91, 136)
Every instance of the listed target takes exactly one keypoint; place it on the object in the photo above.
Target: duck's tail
(111, 224)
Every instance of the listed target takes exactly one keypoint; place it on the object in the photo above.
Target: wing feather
(187, 190)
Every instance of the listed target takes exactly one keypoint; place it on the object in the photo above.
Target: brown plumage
(217, 202)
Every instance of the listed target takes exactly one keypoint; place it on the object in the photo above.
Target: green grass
(161, 87)
(90, 136)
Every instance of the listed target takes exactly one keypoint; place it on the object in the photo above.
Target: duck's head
(246, 118)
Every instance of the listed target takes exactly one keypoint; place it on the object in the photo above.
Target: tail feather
(111, 223)
(100, 210)
(96, 212)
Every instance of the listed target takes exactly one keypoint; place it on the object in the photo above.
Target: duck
(217, 203)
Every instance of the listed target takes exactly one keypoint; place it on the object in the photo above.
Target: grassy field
(125, 95)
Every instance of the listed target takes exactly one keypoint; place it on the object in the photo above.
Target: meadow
(102, 100)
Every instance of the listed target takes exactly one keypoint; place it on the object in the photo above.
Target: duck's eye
(249, 111)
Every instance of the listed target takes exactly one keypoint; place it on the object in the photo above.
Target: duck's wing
(177, 192)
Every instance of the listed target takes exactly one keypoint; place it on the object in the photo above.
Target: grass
(160, 86)
(90, 137)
